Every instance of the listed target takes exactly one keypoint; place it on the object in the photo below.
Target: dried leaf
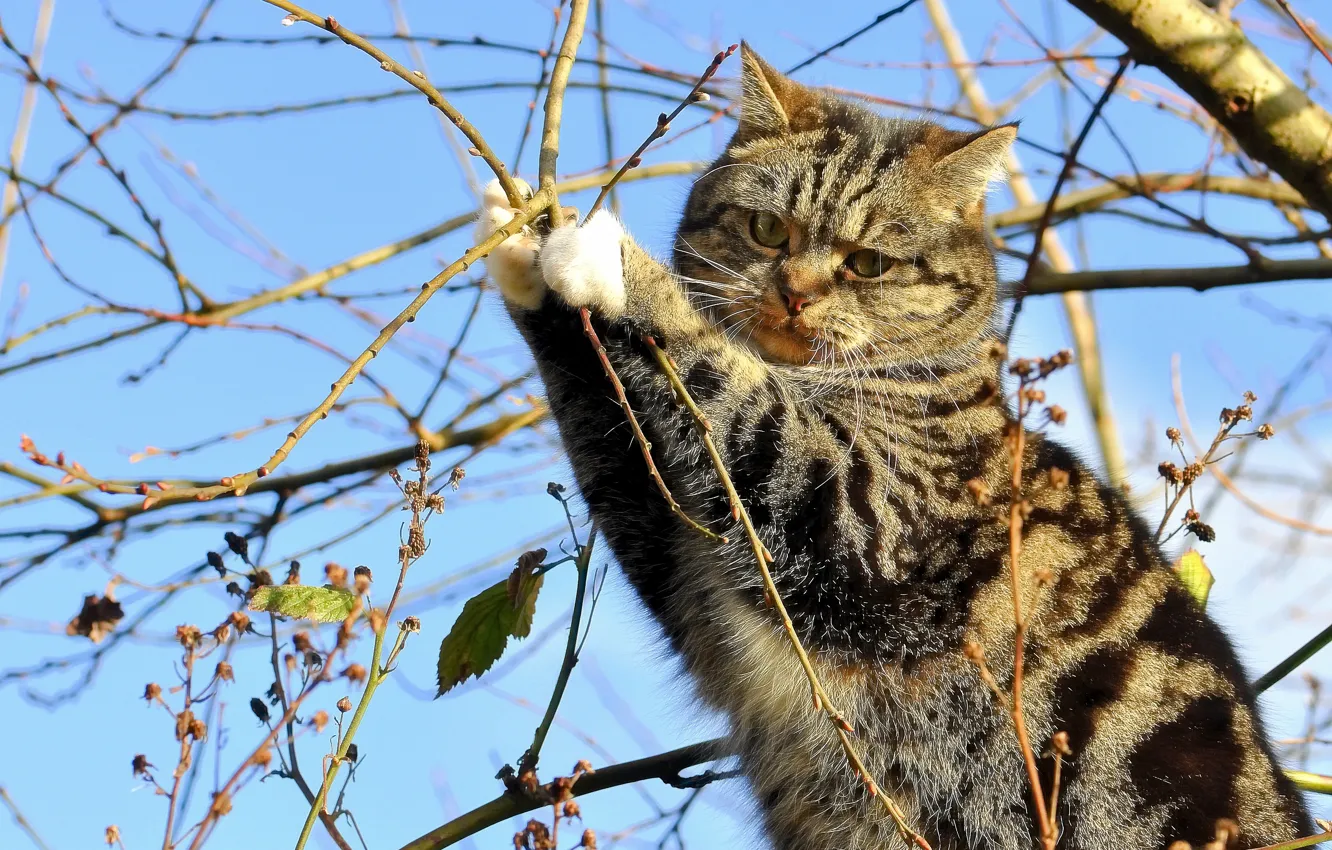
(97, 618)
(321, 604)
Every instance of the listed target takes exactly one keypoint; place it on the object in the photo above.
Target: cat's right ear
(770, 103)
(977, 160)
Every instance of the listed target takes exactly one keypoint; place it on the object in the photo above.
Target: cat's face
(829, 234)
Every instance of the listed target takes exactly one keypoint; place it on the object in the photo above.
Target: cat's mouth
(786, 339)
(779, 337)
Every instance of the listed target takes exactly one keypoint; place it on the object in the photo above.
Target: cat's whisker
(716, 265)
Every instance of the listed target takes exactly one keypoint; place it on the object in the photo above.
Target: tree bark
(1210, 59)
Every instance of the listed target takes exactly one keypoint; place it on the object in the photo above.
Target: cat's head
(829, 234)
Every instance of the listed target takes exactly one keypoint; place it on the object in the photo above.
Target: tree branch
(663, 766)
(1209, 58)
(1199, 278)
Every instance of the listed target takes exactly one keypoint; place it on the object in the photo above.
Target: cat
(833, 310)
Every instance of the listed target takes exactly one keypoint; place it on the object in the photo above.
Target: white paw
(513, 265)
(583, 264)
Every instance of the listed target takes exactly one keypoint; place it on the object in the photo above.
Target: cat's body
(860, 467)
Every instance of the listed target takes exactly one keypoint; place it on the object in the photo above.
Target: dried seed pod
(355, 673)
(363, 577)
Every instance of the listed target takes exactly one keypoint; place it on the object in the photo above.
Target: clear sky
(325, 185)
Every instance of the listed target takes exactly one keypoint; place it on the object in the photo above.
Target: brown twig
(1064, 173)
(762, 558)
(643, 444)
(663, 766)
(664, 120)
(1018, 507)
(1304, 28)
(254, 760)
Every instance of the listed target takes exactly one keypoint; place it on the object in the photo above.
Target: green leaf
(1196, 577)
(321, 604)
(488, 620)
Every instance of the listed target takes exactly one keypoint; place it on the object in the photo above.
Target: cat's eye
(868, 262)
(768, 230)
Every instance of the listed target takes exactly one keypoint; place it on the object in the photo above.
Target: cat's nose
(797, 301)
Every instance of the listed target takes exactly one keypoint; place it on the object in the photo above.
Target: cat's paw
(583, 265)
(513, 265)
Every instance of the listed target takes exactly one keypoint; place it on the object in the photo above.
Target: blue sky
(326, 185)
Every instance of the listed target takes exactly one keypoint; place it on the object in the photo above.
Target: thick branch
(1198, 278)
(550, 130)
(664, 766)
(1209, 57)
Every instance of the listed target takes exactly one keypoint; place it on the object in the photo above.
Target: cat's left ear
(981, 159)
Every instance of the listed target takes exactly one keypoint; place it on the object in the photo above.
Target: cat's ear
(969, 168)
(771, 104)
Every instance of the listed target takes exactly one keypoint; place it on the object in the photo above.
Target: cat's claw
(583, 264)
(513, 265)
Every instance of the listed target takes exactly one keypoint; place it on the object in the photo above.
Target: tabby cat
(832, 309)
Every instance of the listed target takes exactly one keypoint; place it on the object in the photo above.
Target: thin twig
(1293, 661)
(645, 447)
(603, 84)
(664, 120)
(419, 503)
(1299, 843)
(1069, 160)
(1304, 28)
(533, 755)
(891, 13)
(663, 766)
(556, 13)
(21, 821)
(1076, 306)
(1016, 505)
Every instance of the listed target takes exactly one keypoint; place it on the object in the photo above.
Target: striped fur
(852, 435)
